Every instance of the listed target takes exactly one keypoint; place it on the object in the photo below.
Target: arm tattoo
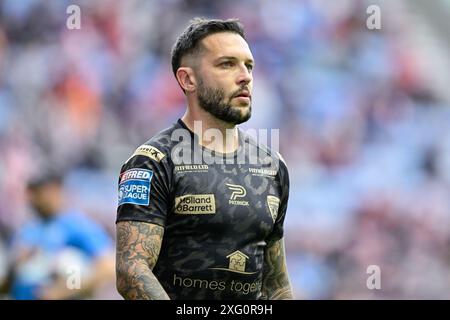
(276, 285)
(138, 245)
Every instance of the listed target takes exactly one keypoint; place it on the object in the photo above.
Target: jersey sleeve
(144, 187)
(278, 229)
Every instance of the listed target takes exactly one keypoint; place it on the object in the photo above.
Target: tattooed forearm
(138, 245)
(276, 284)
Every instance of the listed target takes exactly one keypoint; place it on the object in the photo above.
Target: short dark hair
(45, 179)
(199, 28)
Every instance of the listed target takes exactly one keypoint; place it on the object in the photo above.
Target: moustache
(244, 91)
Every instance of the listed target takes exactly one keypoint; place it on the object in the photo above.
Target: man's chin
(244, 114)
(236, 119)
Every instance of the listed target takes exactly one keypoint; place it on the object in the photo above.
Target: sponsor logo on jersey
(262, 172)
(237, 193)
(236, 263)
(195, 204)
(148, 151)
(192, 168)
(273, 203)
(134, 187)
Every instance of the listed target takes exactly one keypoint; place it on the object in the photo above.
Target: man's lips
(243, 94)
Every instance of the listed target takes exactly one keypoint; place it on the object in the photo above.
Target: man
(60, 253)
(212, 229)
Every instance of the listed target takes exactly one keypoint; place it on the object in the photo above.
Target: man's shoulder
(158, 147)
(264, 151)
(164, 140)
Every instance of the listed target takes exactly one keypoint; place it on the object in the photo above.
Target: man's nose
(244, 76)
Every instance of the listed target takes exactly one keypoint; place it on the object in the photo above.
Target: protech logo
(195, 204)
(237, 192)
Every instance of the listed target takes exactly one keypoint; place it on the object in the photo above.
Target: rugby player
(209, 229)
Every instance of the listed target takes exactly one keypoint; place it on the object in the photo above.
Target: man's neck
(213, 133)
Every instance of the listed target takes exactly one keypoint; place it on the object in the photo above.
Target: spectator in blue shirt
(61, 253)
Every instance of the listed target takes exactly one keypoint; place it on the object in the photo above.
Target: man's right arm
(138, 246)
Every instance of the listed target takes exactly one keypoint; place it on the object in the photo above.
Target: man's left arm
(276, 284)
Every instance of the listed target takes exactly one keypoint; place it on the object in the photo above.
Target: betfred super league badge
(134, 187)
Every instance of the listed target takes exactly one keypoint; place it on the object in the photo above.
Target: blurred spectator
(58, 241)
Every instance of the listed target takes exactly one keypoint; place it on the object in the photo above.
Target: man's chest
(220, 195)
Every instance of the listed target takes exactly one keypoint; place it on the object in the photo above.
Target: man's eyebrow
(233, 59)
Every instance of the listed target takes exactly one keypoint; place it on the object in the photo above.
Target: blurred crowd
(366, 141)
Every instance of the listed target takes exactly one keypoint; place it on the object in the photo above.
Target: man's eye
(249, 67)
(227, 64)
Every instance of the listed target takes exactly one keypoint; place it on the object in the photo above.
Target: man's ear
(186, 79)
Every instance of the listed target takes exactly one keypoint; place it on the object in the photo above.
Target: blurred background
(364, 119)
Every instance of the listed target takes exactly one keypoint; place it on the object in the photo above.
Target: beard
(213, 101)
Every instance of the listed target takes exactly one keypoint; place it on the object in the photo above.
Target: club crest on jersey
(273, 203)
(134, 187)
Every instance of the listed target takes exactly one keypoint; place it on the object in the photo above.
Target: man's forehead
(226, 44)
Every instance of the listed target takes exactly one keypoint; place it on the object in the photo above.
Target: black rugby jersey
(218, 211)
